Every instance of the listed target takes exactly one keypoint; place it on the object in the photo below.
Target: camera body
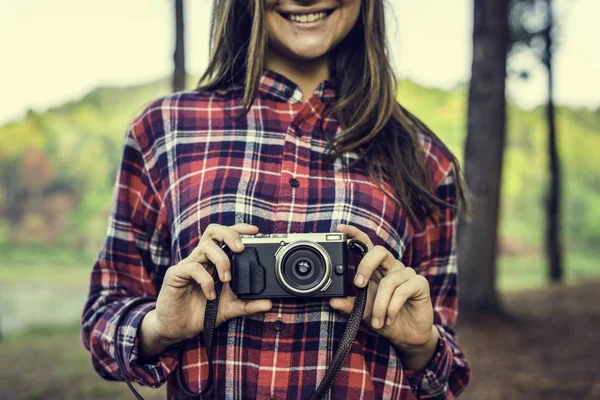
(295, 265)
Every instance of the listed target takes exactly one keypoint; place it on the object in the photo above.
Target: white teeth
(307, 17)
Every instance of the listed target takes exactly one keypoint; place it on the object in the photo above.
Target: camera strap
(210, 319)
(345, 344)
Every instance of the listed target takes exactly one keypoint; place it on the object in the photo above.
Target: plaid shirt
(188, 162)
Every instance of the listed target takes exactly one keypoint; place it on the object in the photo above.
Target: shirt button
(279, 325)
(294, 182)
(299, 133)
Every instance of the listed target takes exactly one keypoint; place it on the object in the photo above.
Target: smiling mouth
(307, 17)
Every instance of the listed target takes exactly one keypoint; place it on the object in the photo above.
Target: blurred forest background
(57, 170)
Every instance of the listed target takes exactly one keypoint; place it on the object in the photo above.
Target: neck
(306, 74)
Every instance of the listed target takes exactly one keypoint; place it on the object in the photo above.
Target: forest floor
(546, 346)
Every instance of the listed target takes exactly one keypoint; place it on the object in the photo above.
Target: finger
(246, 229)
(416, 287)
(229, 235)
(212, 233)
(240, 308)
(346, 304)
(343, 304)
(180, 275)
(371, 292)
(215, 254)
(377, 256)
(385, 291)
(255, 306)
(354, 233)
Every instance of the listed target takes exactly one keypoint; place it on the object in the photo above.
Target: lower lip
(308, 25)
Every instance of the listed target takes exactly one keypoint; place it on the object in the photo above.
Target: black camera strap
(345, 344)
(210, 319)
(210, 322)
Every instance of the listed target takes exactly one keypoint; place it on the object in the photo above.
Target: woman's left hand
(398, 301)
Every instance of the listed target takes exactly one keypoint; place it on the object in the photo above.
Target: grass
(35, 254)
(45, 274)
(51, 362)
(527, 273)
(41, 286)
(35, 265)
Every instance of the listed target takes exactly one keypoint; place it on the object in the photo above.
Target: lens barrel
(303, 267)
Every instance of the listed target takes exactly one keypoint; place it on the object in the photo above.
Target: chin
(307, 56)
(306, 53)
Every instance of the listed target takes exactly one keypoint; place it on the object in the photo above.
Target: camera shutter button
(279, 325)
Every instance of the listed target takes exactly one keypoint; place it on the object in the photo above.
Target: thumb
(343, 304)
(256, 306)
(239, 308)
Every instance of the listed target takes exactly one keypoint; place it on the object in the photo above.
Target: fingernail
(226, 276)
(375, 322)
(212, 295)
(359, 280)
(388, 321)
(239, 244)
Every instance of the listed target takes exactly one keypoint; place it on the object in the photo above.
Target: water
(26, 306)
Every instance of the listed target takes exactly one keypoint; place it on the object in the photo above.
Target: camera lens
(303, 267)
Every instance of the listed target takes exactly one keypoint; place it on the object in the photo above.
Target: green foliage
(79, 146)
(528, 21)
(525, 170)
(82, 144)
(519, 273)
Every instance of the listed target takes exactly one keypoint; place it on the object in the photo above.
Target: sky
(56, 51)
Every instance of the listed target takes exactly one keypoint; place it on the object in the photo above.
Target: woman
(296, 129)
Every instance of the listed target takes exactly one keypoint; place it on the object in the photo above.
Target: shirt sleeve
(434, 256)
(125, 274)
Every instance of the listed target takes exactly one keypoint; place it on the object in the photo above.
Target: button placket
(293, 187)
(279, 325)
(278, 335)
(300, 123)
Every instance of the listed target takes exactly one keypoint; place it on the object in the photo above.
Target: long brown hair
(384, 134)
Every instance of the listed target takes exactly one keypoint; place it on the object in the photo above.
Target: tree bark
(553, 242)
(179, 75)
(477, 240)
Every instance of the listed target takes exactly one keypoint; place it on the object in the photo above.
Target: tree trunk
(477, 246)
(179, 75)
(553, 242)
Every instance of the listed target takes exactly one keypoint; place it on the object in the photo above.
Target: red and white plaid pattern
(189, 160)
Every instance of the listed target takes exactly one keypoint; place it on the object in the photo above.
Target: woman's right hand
(179, 313)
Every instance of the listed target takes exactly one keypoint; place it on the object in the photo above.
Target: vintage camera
(295, 265)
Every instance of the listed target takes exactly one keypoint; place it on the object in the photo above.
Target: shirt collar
(277, 85)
